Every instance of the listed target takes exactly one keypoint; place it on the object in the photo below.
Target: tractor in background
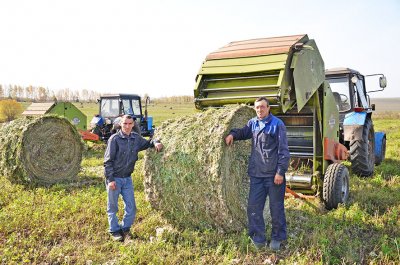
(367, 148)
(290, 72)
(104, 124)
(112, 107)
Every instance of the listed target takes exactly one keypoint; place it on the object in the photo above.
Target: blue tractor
(366, 147)
(113, 106)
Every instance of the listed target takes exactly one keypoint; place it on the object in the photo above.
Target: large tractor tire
(336, 186)
(380, 147)
(362, 152)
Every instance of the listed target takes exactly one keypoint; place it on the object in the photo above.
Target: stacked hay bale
(197, 181)
(43, 150)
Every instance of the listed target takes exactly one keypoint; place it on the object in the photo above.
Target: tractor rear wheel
(336, 186)
(362, 152)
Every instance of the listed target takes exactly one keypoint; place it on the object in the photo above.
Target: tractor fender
(380, 147)
(353, 125)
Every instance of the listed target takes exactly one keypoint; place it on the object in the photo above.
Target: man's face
(262, 109)
(126, 125)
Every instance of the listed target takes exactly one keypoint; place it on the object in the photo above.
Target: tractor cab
(114, 106)
(349, 90)
(356, 128)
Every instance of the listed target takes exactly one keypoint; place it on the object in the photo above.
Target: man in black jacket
(119, 162)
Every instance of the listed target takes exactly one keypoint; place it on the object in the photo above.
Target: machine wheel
(362, 152)
(336, 186)
(380, 147)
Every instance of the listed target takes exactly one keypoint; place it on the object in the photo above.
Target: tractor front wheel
(336, 186)
(362, 152)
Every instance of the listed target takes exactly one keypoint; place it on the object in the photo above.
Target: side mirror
(382, 81)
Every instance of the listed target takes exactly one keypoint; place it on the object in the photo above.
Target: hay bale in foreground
(197, 181)
(43, 150)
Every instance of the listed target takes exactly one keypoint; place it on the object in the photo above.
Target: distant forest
(42, 94)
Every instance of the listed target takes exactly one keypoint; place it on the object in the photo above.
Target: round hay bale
(43, 150)
(197, 181)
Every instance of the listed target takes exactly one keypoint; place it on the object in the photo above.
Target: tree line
(42, 94)
(174, 99)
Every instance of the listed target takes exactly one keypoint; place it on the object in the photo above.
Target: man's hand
(158, 146)
(229, 140)
(278, 180)
(112, 185)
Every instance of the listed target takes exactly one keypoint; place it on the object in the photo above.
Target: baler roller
(246, 88)
(240, 78)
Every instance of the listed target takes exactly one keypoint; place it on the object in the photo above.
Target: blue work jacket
(122, 153)
(269, 151)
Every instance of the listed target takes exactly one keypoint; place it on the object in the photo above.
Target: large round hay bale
(43, 150)
(197, 181)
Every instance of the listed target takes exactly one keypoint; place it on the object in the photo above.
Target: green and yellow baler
(63, 109)
(290, 72)
(66, 110)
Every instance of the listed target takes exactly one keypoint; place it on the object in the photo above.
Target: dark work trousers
(260, 188)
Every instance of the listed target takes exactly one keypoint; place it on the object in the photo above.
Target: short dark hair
(129, 117)
(261, 99)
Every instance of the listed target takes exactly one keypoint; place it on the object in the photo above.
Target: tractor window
(341, 92)
(127, 107)
(109, 108)
(361, 95)
(136, 107)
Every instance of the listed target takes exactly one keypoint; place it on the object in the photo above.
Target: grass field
(67, 223)
(159, 111)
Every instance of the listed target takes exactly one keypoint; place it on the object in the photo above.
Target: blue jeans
(125, 188)
(260, 188)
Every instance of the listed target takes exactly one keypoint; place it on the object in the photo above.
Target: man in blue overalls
(268, 163)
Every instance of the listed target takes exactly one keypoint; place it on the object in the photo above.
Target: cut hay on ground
(197, 181)
(43, 150)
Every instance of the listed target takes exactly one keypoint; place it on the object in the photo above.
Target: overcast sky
(157, 47)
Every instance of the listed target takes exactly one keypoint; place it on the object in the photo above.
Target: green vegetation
(67, 223)
(164, 111)
(9, 109)
(159, 111)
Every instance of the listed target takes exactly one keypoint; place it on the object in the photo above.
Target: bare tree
(42, 94)
(83, 95)
(20, 92)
